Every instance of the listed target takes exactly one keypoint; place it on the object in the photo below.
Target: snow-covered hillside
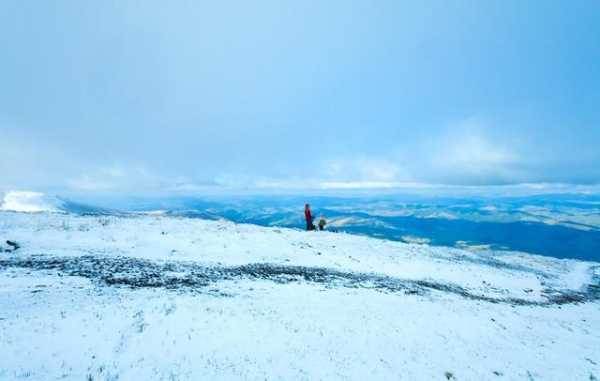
(25, 201)
(157, 297)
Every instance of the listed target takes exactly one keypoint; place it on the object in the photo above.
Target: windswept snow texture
(154, 297)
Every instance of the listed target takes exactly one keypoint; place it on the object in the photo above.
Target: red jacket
(308, 215)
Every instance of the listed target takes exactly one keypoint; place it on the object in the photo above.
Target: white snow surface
(60, 326)
(30, 202)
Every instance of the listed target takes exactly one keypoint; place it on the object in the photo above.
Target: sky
(184, 96)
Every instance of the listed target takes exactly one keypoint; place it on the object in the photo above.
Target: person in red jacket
(309, 218)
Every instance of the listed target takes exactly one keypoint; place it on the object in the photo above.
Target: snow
(25, 201)
(501, 325)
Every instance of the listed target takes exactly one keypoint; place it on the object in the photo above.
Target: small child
(322, 223)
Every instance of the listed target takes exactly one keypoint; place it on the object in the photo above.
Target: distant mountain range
(563, 226)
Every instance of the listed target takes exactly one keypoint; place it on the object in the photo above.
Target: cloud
(119, 177)
(30, 161)
(369, 185)
(195, 96)
(363, 168)
(470, 152)
(467, 152)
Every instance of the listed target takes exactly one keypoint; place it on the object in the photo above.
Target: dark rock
(14, 245)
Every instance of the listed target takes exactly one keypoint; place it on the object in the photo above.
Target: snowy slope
(30, 202)
(157, 297)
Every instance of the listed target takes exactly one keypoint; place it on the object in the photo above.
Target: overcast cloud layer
(182, 95)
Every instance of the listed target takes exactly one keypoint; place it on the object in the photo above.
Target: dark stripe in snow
(137, 273)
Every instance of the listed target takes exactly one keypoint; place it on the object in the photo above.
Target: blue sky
(185, 95)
